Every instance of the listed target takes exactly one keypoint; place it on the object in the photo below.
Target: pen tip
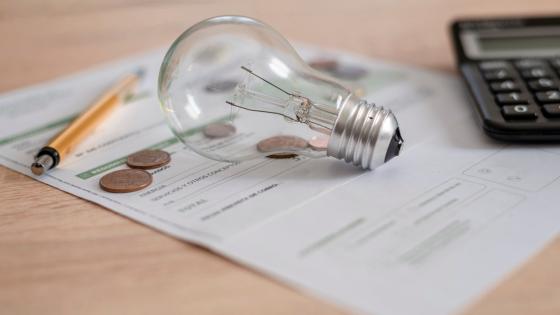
(42, 164)
(37, 169)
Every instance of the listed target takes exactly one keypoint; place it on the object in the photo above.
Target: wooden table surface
(63, 255)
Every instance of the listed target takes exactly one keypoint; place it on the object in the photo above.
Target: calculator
(511, 67)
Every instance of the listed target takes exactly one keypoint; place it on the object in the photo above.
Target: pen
(59, 147)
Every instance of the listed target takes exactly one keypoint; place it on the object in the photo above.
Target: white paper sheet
(425, 234)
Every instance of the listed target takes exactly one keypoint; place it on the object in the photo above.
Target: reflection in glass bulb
(275, 97)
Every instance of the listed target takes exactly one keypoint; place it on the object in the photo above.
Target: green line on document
(160, 145)
(120, 161)
(32, 132)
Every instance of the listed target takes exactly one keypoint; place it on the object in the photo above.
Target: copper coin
(282, 155)
(319, 143)
(323, 64)
(124, 181)
(349, 72)
(281, 143)
(221, 86)
(219, 130)
(148, 159)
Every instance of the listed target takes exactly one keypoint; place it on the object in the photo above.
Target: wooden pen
(59, 147)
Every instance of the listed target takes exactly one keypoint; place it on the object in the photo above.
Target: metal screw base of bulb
(364, 135)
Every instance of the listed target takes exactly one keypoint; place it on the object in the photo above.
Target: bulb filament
(302, 111)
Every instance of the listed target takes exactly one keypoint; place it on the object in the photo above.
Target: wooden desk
(63, 255)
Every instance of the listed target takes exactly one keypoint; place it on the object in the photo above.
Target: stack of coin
(349, 72)
(218, 130)
(277, 143)
(291, 144)
(129, 180)
(221, 86)
(148, 159)
(339, 70)
(123, 181)
(281, 143)
(284, 155)
(324, 64)
(319, 143)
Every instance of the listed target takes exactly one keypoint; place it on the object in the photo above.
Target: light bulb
(233, 89)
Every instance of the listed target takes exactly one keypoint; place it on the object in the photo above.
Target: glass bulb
(233, 89)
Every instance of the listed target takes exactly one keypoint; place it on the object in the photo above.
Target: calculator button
(511, 98)
(492, 65)
(542, 84)
(529, 63)
(555, 63)
(504, 86)
(519, 112)
(552, 110)
(535, 73)
(498, 74)
(548, 96)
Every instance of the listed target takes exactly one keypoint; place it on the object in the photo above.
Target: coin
(148, 159)
(280, 143)
(219, 130)
(282, 155)
(319, 143)
(348, 72)
(221, 86)
(323, 64)
(124, 181)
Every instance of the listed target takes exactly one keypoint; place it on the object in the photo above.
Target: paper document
(427, 233)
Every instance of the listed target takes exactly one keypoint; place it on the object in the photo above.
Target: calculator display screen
(494, 44)
(511, 43)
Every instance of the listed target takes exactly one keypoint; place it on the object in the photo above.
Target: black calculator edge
(494, 129)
